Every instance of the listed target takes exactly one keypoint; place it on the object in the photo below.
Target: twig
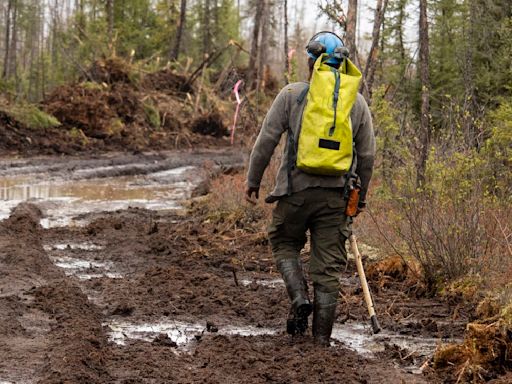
(209, 59)
(391, 306)
(425, 365)
(407, 356)
(505, 236)
(239, 46)
(401, 82)
(235, 277)
(198, 96)
(462, 371)
(391, 244)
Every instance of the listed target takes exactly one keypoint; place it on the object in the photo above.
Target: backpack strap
(303, 94)
(335, 97)
(292, 155)
(351, 174)
(292, 149)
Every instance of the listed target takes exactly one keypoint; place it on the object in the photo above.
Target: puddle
(179, 332)
(273, 283)
(62, 201)
(86, 269)
(72, 263)
(358, 337)
(354, 336)
(89, 276)
(86, 246)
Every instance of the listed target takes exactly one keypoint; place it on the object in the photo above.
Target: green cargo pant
(321, 210)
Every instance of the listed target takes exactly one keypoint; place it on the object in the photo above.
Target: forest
(144, 86)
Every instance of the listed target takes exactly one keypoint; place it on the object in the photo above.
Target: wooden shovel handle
(364, 284)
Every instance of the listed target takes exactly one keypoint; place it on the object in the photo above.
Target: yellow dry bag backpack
(325, 139)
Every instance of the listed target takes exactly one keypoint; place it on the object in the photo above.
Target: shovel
(364, 284)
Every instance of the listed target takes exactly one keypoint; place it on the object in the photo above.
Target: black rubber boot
(301, 308)
(323, 315)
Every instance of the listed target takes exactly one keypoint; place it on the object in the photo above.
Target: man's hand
(249, 192)
(361, 207)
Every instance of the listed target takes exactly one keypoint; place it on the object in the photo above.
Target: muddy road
(106, 278)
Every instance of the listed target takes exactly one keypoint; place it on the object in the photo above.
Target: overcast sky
(314, 21)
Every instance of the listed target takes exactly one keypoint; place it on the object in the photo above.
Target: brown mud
(141, 296)
(167, 276)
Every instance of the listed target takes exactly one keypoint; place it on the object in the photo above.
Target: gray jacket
(287, 112)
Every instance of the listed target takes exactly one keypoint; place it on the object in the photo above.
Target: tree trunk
(179, 31)
(286, 59)
(425, 130)
(41, 50)
(33, 93)
(81, 19)
(14, 40)
(263, 51)
(351, 27)
(254, 45)
(110, 20)
(400, 31)
(472, 132)
(5, 73)
(371, 63)
(206, 27)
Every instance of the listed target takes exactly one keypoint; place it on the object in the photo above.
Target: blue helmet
(327, 42)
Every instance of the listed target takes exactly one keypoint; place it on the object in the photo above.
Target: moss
(32, 117)
(467, 287)
(79, 135)
(152, 115)
(115, 127)
(487, 308)
(93, 86)
(506, 314)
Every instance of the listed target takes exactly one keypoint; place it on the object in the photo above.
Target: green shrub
(497, 152)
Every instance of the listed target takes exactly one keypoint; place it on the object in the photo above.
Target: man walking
(311, 201)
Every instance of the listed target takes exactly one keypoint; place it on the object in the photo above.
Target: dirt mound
(385, 272)
(16, 137)
(46, 320)
(167, 81)
(29, 214)
(98, 111)
(210, 124)
(77, 339)
(21, 250)
(485, 354)
(109, 71)
(111, 109)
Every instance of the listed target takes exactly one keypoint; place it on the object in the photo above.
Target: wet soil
(70, 295)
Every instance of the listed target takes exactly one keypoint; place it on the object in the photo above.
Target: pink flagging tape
(238, 102)
(291, 52)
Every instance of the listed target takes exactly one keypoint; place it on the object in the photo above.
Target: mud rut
(150, 296)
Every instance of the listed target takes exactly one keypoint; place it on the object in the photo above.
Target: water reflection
(62, 200)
